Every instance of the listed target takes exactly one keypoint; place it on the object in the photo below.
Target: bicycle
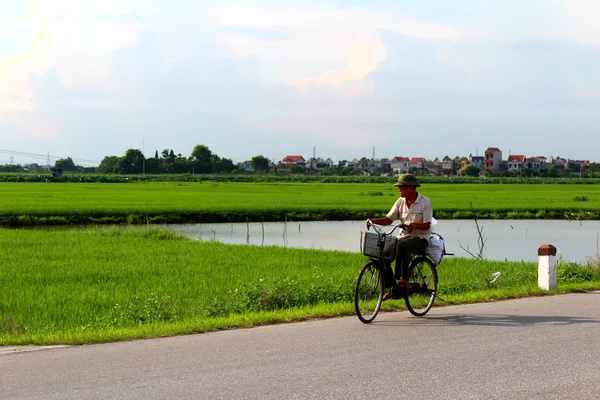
(380, 247)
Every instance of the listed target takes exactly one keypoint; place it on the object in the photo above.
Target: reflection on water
(512, 240)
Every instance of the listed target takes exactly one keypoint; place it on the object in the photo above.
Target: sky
(338, 79)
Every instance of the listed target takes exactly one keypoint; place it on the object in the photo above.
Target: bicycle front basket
(380, 246)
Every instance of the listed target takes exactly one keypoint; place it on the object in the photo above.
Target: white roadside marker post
(547, 267)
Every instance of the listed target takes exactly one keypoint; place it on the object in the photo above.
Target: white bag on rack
(435, 249)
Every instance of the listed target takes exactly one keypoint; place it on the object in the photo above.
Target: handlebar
(379, 230)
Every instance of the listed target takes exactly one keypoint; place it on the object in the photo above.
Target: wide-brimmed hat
(407, 180)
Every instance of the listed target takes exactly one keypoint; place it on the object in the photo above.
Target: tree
(472, 170)
(181, 165)
(223, 165)
(260, 163)
(530, 172)
(66, 164)
(109, 165)
(553, 172)
(152, 166)
(132, 162)
(202, 154)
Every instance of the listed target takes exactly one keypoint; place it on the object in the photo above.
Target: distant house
(294, 161)
(447, 166)
(311, 164)
(353, 164)
(537, 163)
(492, 159)
(464, 164)
(436, 165)
(329, 163)
(477, 161)
(417, 162)
(400, 165)
(247, 166)
(516, 163)
(318, 164)
(431, 167)
(559, 162)
(366, 165)
(457, 163)
(578, 165)
(382, 165)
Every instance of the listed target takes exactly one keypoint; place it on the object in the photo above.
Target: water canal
(512, 240)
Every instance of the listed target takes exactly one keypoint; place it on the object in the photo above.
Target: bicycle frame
(423, 280)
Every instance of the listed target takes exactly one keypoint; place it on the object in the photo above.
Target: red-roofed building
(400, 165)
(293, 161)
(537, 163)
(578, 165)
(559, 162)
(493, 159)
(516, 162)
(417, 162)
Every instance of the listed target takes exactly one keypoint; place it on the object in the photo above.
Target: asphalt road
(534, 348)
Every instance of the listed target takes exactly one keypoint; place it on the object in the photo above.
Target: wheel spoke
(423, 281)
(368, 292)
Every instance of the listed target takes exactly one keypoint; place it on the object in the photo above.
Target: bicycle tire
(368, 294)
(423, 280)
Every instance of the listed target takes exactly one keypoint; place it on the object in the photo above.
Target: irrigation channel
(512, 240)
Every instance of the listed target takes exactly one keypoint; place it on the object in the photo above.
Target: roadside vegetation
(118, 283)
(284, 178)
(27, 204)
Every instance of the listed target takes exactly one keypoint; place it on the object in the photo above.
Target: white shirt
(421, 211)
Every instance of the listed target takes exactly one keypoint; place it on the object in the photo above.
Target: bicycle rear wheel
(423, 281)
(369, 292)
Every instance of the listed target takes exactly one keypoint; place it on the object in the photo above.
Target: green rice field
(107, 284)
(162, 202)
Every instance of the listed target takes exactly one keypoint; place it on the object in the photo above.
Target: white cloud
(582, 22)
(336, 48)
(352, 78)
(562, 21)
(73, 38)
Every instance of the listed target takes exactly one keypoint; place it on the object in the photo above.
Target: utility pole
(143, 159)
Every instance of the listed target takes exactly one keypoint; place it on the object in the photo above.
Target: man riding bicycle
(415, 211)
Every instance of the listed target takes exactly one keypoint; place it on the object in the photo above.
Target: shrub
(574, 273)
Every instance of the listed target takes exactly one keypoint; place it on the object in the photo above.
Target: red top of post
(547, 250)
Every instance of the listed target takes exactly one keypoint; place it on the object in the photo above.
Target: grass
(98, 285)
(177, 202)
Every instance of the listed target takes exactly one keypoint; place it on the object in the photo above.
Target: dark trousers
(407, 246)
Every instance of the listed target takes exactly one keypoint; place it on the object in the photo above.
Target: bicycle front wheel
(423, 281)
(368, 294)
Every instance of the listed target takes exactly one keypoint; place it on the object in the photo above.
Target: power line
(47, 157)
